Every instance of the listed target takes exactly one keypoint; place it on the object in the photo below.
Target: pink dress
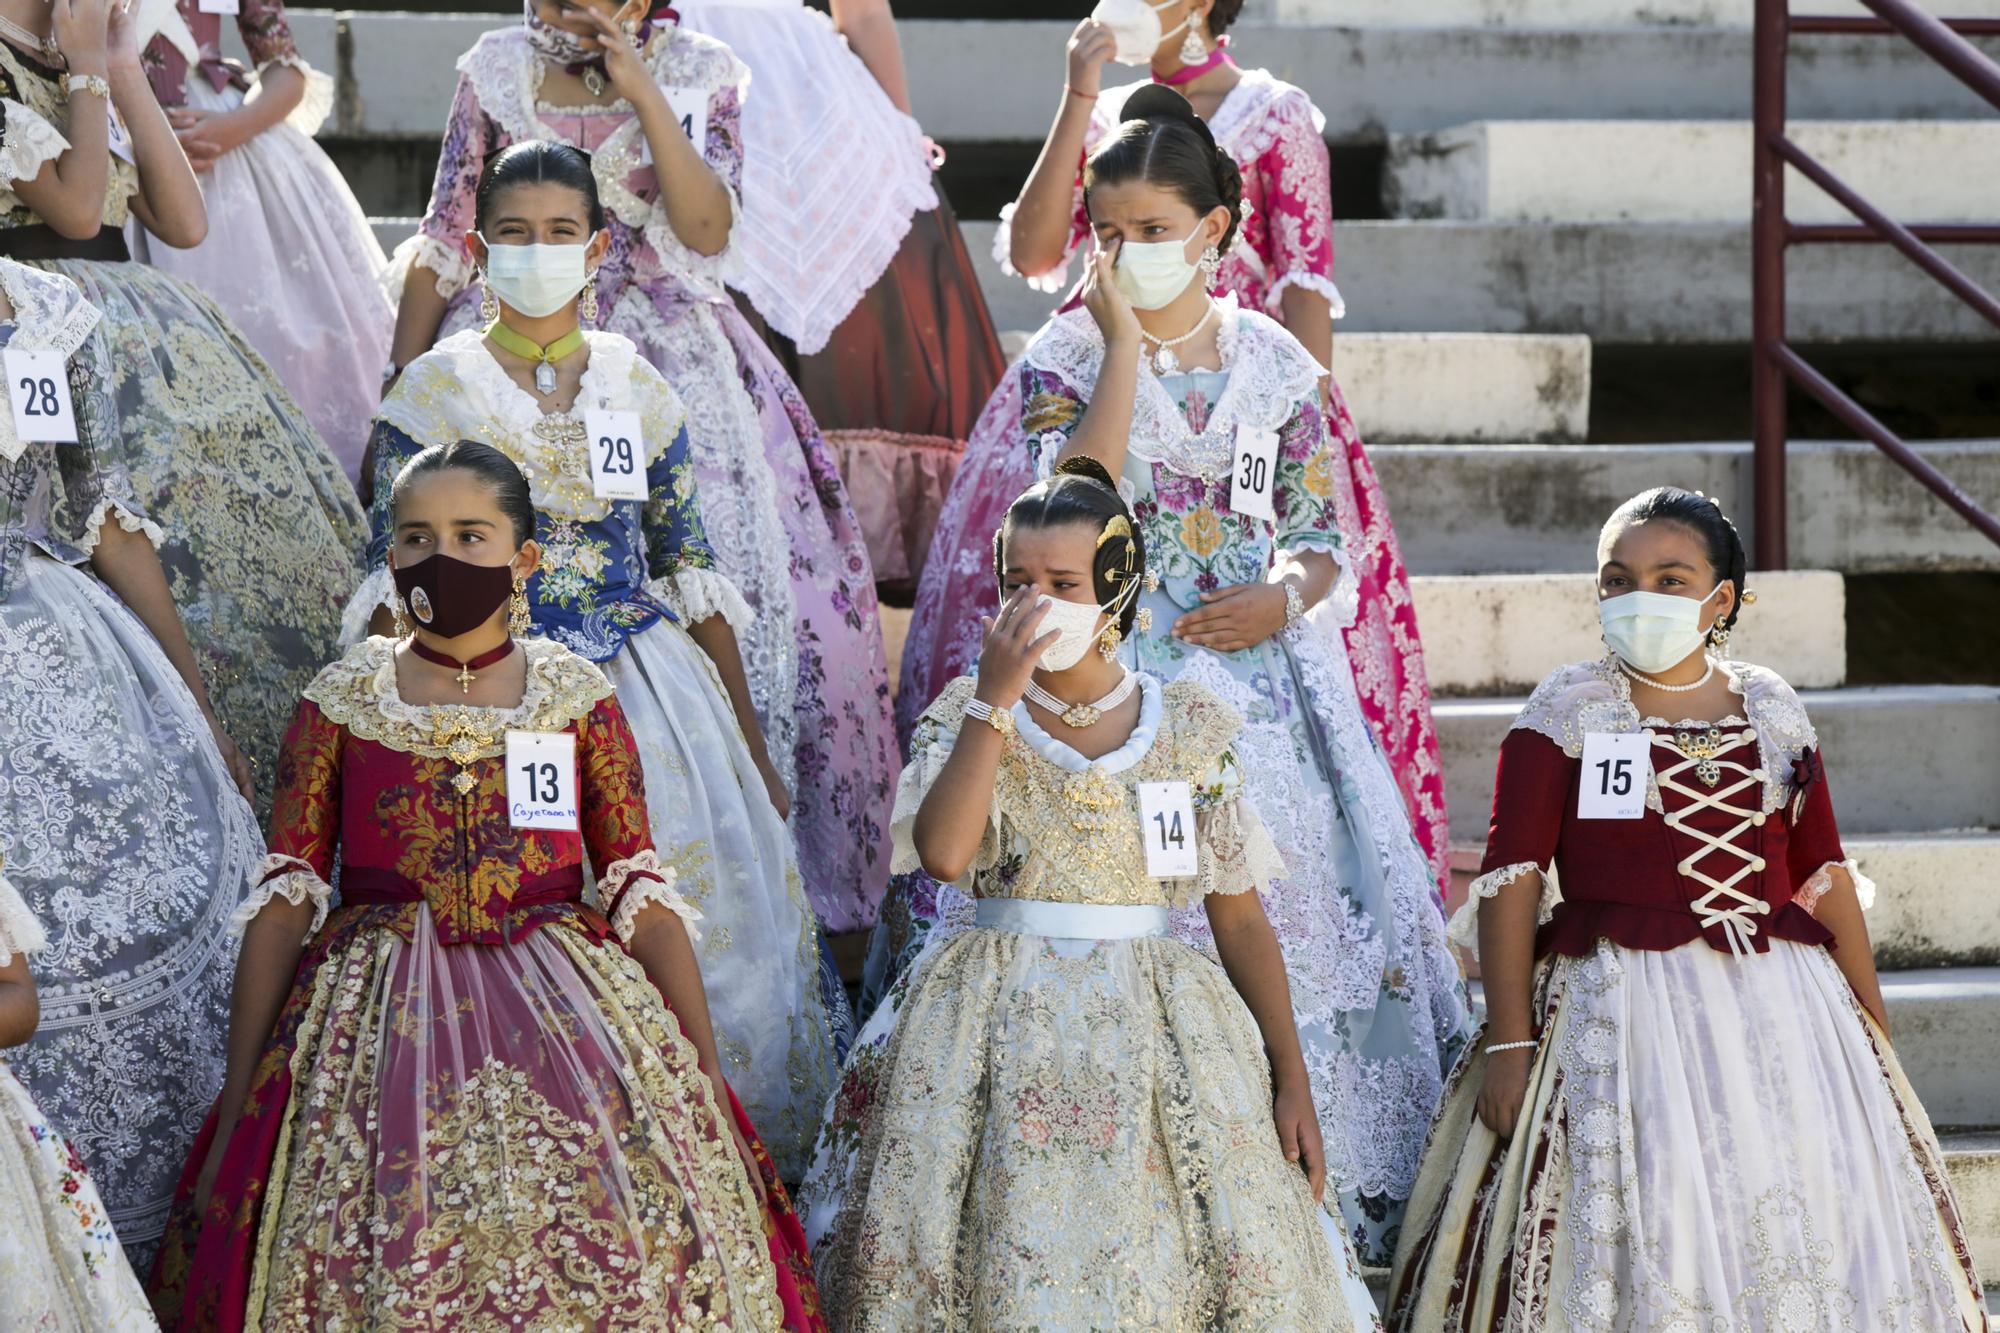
(771, 495)
(1273, 131)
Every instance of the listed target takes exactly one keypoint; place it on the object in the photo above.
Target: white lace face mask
(1076, 626)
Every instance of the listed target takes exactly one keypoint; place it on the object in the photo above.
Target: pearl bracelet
(1514, 1046)
(87, 83)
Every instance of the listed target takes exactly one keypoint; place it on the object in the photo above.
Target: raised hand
(624, 67)
(1116, 319)
(1090, 45)
(1013, 647)
(82, 32)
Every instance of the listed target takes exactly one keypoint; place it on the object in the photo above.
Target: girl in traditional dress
(262, 532)
(61, 1270)
(1231, 472)
(465, 1099)
(1281, 264)
(658, 108)
(630, 584)
(121, 819)
(1685, 1112)
(850, 257)
(289, 255)
(1068, 1120)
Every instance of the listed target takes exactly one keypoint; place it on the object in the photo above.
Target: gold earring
(489, 304)
(1107, 643)
(1144, 620)
(396, 612)
(587, 308)
(518, 623)
(1718, 636)
(1211, 264)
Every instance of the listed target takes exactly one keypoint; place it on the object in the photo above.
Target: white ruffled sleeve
(1234, 848)
(315, 104)
(1463, 929)
(20, 933)
(640, 881)
(451, 265)
(289, 878)
(129, 519)
(1051, 282)
(1820, 883)
(1309, 281)
(696, 594)
(28, 144)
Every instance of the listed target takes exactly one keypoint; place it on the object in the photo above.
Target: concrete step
(1934, 904)
(1531, 14)
(1902, 758)
(1972, 1158)
(391, 71)
(1942, 1023)
(1467, 387)
(1531, 509)
(1495, 634)
(1686, 171)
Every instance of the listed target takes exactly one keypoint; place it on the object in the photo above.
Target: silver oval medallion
(420, 605)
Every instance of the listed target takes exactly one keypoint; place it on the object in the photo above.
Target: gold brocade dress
(1062, 1118)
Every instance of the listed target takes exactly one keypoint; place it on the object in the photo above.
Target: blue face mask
(1652, 631)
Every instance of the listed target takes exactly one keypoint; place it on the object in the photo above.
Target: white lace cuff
(696, 594)
(315, 104)
(31, 142)
(1821, 883)
(1341, 606)
(1236, 851)
(452, 266)
(1464, 927)
(291, 879)
(1055, 280)
(20, 932)
(646, 892)
(130, 519)
(374, 592)
(1312, 282)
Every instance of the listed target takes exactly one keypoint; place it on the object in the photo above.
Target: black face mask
(450, 597)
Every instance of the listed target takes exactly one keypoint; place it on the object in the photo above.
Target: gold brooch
(462, 741)
(1702, 746)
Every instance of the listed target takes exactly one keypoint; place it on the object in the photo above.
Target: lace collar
(359, 692)
(1071, 760)
(1246, 124)
(50, 314)
(1584, 697)
(458, 389)
(1270, 376)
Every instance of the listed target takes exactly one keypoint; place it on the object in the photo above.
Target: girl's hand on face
(1298, 1134)
(1231, 619)
(1090, 45)
(1504, 1089)
(623, 65)
(82, 31)
(1013, 646)
(1116, 319)
(121, 37)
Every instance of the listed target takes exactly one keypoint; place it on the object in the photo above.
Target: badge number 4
(1166, 825)
(541, 780)
(38, 385)
(617, 454)
(1616, 770)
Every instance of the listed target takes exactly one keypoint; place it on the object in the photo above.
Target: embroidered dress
(1715, 1134)
(772, 499)
(1375, 988)
(475, 1110)
(1273, 132)
(119, 823)
(290, 256)
(263, 534)
(849, 255)
(61, 1270)
(1064, 1120)
(618, 581)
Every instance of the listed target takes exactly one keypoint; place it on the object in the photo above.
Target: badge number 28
(38, 387)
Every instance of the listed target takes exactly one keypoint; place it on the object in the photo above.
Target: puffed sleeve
(27, 141)
(305, 819)
(389, 448)
(267, 38)
(931, 743)
(1812, 844)
(1298, 205)
(616, 832)
(1234, 849)
(1530, 791)
(1051, 411)
(679, 560)
(470, 137)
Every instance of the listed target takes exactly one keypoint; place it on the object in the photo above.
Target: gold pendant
(462, 741)
(593, 79)
(1083, 715)
(465, 678)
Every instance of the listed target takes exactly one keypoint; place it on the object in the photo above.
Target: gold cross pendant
(465, 679)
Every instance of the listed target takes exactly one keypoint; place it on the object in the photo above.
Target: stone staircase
(1562, 180)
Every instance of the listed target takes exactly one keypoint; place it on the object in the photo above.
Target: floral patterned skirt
(61, 1270)
(479, 1136)
(1067, 1134)
(123, 831)
(264, 534)
(1706, 1142)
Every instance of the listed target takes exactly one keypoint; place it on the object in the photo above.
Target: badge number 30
(617, 455)
(1166, 824)
(38, 385)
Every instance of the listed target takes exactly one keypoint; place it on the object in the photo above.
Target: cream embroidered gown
(1061, 1118)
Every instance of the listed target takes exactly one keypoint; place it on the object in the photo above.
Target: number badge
(1166, 824)
(38, 384)
(690, 108)
(617, 454)
(1251, 481)
(541, 780)
(1616, 770)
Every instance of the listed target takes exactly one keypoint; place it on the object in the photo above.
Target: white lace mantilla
(289, 878)
(507, 75)
(1270, 374)
(1585, 697)
(20, 933)
(50, 314)
(30, 143)
(647, 892)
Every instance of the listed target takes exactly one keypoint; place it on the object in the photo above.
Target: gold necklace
(49, 47)
(544, 357)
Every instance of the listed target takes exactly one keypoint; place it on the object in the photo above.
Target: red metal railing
(1776, 364)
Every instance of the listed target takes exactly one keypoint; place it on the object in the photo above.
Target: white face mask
(1653, 630)
(1076, 626)
(1135, 26)
(1153, 273)
(536, 280)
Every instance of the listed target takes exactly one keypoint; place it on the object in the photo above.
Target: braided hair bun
(1081, 493)
(1163, 142)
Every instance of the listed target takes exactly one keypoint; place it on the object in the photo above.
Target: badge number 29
(541, 780)
(617, 454)
(1615, 773)
(38, 385)
(1166, 824)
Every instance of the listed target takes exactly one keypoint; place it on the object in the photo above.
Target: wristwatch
(999, 719)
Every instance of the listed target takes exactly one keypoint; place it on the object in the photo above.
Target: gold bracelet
(89, 83)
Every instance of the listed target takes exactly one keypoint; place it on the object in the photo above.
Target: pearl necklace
(1083, 715)
(1661, 685)
(1164, 361)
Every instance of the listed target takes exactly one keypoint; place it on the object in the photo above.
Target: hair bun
(1083, 465)
(1156, 101)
